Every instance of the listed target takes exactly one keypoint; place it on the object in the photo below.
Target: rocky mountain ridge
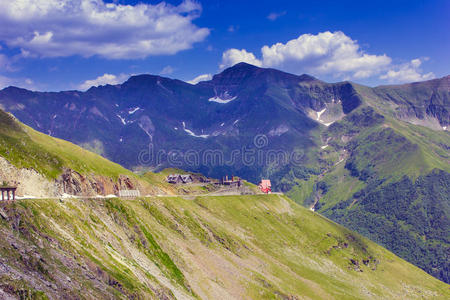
(122, 121)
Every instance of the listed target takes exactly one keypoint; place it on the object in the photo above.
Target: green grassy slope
(372, 164)
(26, 148)
(252, 247)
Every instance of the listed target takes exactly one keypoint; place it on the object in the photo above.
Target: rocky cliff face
(74, 183)
(28, 181)
(426, 103)
(31, 183)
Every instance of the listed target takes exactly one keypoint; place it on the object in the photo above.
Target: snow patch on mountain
(191, 133)
(133, 110)
(319, 113)
(222, 98)
(217, 99)
(122, 119)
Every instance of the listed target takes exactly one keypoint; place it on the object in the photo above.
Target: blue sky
(54, 45)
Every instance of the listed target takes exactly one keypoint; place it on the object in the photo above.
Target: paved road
(147, 196)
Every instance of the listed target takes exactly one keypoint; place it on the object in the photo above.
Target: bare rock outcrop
(74, 183)
(28, 181)
(32, 184)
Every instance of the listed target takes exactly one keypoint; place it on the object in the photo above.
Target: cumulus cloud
(234, 56)
(103, 80)
(327, 53)
(274, 15)
(7, 64)
(4, 62)
(324, 53)
(408, 72)
(203, 77)
(54, 28)
(19, 82)
(167, 70)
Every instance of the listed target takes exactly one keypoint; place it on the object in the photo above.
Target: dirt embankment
(31, 183)
(28, 181)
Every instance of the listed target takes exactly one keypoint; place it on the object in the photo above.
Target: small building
(186, 178)
(174, 178)
(265, 186)
(7, 190)
(233, 182)
(177, 178)
(129, 194)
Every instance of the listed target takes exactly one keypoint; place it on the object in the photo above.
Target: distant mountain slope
(233, 247)
(424, 103)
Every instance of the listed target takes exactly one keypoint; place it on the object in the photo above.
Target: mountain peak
(143, 78)
(244, 66)
(244, 70)
(239, 68)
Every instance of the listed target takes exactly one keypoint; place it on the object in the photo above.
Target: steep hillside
(233, 247)
(389, 181)
(424, 103)
(44, 166)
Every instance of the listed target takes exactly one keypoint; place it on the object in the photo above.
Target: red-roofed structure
(265, 186)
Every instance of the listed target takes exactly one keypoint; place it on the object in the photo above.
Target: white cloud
(273, 16)
(327, 53)
(167, 70)
(7, 64)
(324, 53)
(53, 28)
(4, 62)
(203, 77)
(234, 56)
(19, 82)
(103, 80)
(408, 72)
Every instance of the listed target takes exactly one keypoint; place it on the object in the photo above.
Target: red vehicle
(265, 186)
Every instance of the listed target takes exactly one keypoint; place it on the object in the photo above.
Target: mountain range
(122, 122)
(373, 159)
